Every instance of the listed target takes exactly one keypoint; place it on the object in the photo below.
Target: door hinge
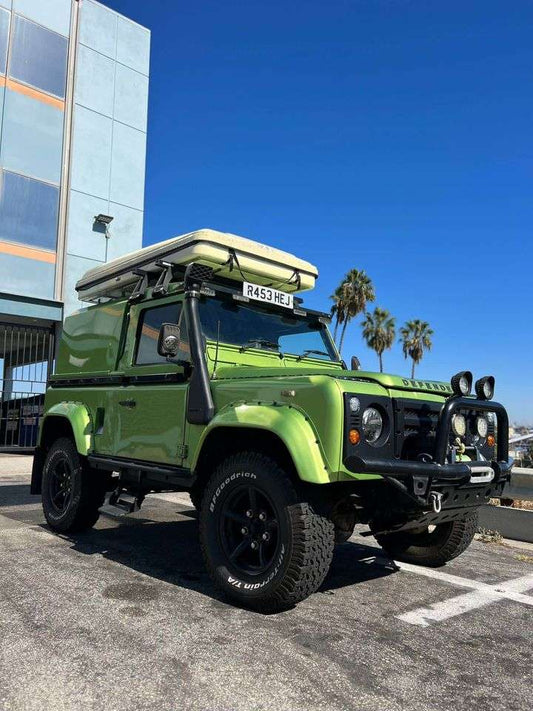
(183, 451)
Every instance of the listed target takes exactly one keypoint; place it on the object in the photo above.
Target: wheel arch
(65, 419)
(279, 431)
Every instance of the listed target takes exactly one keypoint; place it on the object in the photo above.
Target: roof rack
(233, 258)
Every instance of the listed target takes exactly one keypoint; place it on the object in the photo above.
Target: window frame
(10, 51)
(12, 238)
(8, 42)
(178, 303)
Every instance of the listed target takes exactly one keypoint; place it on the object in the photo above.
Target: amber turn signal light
(491, 441)
(354, 436)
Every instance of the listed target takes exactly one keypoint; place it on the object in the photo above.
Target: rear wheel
(433, 546)
(264, 546)
(71, 492)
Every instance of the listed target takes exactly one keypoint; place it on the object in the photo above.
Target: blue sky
(391, 136)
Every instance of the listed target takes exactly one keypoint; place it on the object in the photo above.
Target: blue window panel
(28, 211)
(133, 45)
(127, 166)
(131, 97)
(91, 153)
(84, 237)
(32, 137)
(6, 3)
(4, 39)
(95, 81)
(2, 92)
(38, 57)
(125, 232)
(27, 277)
(54, 14)
(98, 28)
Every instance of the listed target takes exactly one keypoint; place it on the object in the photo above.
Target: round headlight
(485, 388)
(459, 425)
(482, 427)
(372, 424)
(462, 383)
(355, 404)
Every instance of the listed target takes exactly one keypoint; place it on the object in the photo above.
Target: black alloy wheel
(249, 530)
(72, 492)
(60, 484)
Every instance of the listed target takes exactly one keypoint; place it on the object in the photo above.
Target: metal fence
(26, 357)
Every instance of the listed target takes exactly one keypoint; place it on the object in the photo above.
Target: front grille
(416, 427)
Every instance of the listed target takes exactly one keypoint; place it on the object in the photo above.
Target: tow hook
(435, 499)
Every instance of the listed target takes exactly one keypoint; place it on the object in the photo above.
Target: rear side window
(148, 333)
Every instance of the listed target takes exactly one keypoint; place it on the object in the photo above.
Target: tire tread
(311, 546)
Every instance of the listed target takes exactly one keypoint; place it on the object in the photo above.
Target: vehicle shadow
(16, 495)
(170, 551)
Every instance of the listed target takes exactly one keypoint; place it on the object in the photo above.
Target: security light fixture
(103, 219)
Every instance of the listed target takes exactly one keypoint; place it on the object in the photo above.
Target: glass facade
(48, 234)
(33, 65)
(28, 211)
(4, 38)
(38, 57)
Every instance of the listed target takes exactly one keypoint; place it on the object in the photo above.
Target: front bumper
(438, 470)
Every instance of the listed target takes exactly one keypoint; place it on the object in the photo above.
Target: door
(148, 411)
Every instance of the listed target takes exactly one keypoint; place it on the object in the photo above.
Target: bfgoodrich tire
(71, 492)
(264, 546)
(432, 547)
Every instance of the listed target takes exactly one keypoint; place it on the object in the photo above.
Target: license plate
(267, 295)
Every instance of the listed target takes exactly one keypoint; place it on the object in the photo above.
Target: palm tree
(350, 299)
(338, 309)
(379, 332)
(415, 338)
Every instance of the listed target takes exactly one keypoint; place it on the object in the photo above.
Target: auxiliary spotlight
(462, 383)
(485, 387)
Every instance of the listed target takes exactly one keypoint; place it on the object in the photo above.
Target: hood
(392, 382)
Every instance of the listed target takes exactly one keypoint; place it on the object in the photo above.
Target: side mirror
(169, 341)
(356, 363)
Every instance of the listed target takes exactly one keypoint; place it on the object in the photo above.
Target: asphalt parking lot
(125, 617)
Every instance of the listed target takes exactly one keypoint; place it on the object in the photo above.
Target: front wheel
(434, 546)
(71, 492)
(264, 546)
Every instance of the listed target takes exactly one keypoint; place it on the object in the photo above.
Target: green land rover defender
(199, 369)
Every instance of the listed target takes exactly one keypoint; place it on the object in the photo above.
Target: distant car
(200, 370)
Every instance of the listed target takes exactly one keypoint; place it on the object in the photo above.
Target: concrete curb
(516, 524)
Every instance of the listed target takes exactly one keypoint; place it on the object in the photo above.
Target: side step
(121, 503)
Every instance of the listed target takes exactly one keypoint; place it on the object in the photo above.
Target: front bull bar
(439, 469)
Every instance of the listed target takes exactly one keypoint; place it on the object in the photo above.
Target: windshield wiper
(311, 352)
(259, 342)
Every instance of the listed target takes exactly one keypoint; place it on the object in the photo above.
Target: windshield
(253, 327)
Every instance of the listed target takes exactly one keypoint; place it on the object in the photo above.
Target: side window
(148, 333)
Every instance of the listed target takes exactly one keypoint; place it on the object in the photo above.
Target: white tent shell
(232, 257)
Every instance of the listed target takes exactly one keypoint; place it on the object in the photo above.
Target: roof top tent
(232, 257)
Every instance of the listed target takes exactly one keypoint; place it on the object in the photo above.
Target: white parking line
(481, 595)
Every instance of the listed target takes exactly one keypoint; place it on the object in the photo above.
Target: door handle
(127, 403)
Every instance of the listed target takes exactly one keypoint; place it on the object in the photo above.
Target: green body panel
(90, 340)
(285, 421)
(78, 414)
(299, 401)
